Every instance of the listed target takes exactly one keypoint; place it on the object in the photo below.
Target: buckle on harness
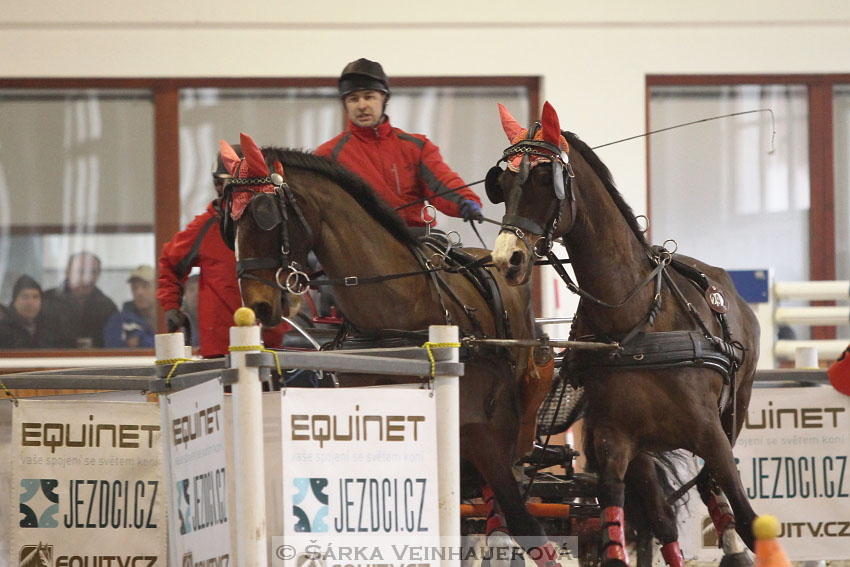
(350, 281)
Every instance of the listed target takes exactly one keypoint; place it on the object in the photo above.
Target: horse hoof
(501, 547)
(740, 559)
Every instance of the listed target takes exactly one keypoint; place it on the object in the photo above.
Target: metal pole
(448, 444)
(248, 450)
(168, 346)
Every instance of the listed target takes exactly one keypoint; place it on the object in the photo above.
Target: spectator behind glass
(200, 245)
(79, 303)
(25, 325)
(135, 325)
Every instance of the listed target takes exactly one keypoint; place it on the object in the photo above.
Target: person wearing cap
(135, 325)
(401, 167)
(200, 245)
(26, 325)
(78, 303)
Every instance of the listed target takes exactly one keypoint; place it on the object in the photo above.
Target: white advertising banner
(359, 477)
(792, 456)
(86, 478)
(199, 530)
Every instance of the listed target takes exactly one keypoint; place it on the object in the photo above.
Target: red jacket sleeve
(169, 281)
(439, 177)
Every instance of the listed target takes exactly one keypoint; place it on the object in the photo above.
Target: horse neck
(608, 259)
(350, 242)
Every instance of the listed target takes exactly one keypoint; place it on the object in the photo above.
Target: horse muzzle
(513, 258)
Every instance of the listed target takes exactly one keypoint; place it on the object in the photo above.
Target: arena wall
(593, 56)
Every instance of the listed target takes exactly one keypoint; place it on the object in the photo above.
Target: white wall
(593, 56)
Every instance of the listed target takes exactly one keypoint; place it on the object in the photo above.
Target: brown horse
(311, 203)
(650, 302)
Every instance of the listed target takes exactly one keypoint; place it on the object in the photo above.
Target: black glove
(470, 210)
(175, 319)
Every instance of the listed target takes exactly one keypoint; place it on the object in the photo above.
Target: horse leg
(643, 476)
(734, 551)
(715, 449)
(496, 533)
(524, 527)
(613, 454)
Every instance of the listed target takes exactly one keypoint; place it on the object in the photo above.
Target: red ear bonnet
(512, 128)
(551, 126)
(254, 165)
(228, 157)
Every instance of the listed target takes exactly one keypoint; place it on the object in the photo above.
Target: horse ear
(509, 124)
(551, 125)
(253, 156)
(229, 157)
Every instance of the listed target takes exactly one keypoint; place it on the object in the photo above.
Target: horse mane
(602, 171)
(352, 184)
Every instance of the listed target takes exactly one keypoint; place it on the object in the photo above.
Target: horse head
(266, 230)
(537, 199)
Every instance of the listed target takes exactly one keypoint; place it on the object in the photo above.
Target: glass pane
(464, 123)
(76, 174)
(716, 188)
(291, 118)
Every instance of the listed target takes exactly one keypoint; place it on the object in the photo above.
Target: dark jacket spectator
(134, 325)
(26, 325)
(78, 302)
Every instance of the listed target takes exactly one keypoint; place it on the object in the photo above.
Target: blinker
(558, 179)
(265, 211)
(492, 187)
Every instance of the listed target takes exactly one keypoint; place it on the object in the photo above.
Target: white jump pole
(446, 390)
(813, 290)
(248, 445)
(817, 315)
(168, 346)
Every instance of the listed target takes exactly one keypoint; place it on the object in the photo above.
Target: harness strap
(571, 285)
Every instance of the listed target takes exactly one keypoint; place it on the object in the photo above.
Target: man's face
(365, 108)
(28, 304)
(82, 275)
(143, 294)
(218, 183)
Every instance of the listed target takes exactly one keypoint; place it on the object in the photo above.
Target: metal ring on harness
(288, 284)
(547, 247)
(431, 210)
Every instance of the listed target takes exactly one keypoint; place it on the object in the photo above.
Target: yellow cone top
(244, 317)
(766, 527)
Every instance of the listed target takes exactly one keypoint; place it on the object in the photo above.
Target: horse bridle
(562, 176)
(270, 210)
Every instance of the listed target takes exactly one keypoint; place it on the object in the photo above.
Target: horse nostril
(263, 311)
(517, 258)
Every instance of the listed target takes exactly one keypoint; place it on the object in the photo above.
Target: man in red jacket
(200, 244)
(400, 167)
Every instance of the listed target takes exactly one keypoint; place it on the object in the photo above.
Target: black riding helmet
(363, 75)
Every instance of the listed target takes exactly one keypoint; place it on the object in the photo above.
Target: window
(92, 165)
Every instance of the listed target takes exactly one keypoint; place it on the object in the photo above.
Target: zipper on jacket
(397, 182)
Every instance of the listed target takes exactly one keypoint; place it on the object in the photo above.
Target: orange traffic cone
(769, 552)
(839, 373)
